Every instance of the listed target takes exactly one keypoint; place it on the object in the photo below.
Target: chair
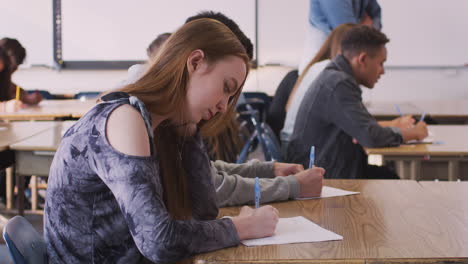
(277, 111)
(262, 135)
(257, 100)
(86, 95)
(24, 243)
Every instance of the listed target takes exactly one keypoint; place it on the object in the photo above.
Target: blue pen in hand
(312, 157)
(398, 109)
(422, 117)
(258, 192)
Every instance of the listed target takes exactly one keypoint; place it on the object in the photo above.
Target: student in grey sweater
(333, 118)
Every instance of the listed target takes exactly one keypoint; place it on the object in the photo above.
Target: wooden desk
(453, 194)
(51, 110)
(34, 156)
(11, 133)
(441, 111)
(451, 154)
(446, 111)
(388, 110)
(389, 222)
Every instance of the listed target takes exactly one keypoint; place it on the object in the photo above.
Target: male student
(333, 118)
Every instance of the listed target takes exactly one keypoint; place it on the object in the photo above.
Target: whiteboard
(421, 32)
(426, 32)
(31, 23)
(107, 30)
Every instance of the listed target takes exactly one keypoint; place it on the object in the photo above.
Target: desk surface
(51, 109)
(451, 141)
(389, 222)
(444, 108)
(454, 194)
(389, 109)
(437, 109)
(13, 132)
(47, 140)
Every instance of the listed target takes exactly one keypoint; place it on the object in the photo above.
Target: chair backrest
(26, 246)
(272, 149)
(277, 111)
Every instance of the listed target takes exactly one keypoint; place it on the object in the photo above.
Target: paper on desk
(294, 230)
(330, 192)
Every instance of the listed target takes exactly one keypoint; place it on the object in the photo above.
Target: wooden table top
(452, 193)
(389, 110)
(51, 109)
(13, 132)
(444, 108)
(47, 140)
(437, 109)
(450, 140)
(391, 221)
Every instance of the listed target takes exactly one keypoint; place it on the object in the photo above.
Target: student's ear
(362, 57)
(194, 60)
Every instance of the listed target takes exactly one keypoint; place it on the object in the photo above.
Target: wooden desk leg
(20, 198)
(9, 188)
(400, 168)
(33, 192)
(453, 170)
(415, 170)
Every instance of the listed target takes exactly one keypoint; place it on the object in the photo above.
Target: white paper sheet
(295, 230)
(330, 192)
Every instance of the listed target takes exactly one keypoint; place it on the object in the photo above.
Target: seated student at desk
(329, 49)
(333, 118)
(133, 175)
(234, 182)
(7, 104)
(16, 55)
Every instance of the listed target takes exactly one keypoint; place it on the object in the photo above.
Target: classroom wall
(35, 18)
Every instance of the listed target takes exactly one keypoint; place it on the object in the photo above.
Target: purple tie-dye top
(104, 206)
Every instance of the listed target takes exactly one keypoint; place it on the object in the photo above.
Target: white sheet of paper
(294, 230)
(330, 192)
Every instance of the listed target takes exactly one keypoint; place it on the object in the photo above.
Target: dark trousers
(379, 172)
(7, 158)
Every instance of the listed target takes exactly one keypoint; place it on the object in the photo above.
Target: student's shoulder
(126, 131)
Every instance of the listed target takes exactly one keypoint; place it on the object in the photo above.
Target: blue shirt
(328, 14)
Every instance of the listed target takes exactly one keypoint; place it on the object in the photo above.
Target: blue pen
(422, 117)
(398, 109)
(312, 157)
(258, 192)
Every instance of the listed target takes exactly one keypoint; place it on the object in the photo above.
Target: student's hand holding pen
(418, 132)
(256, 223)
(403, 122)
(311, 182)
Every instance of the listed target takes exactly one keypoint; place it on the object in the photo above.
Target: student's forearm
(385, 123)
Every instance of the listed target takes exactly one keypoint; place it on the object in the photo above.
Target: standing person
(332, 113)
(131, 181)
(16, 55)
(326, 15)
